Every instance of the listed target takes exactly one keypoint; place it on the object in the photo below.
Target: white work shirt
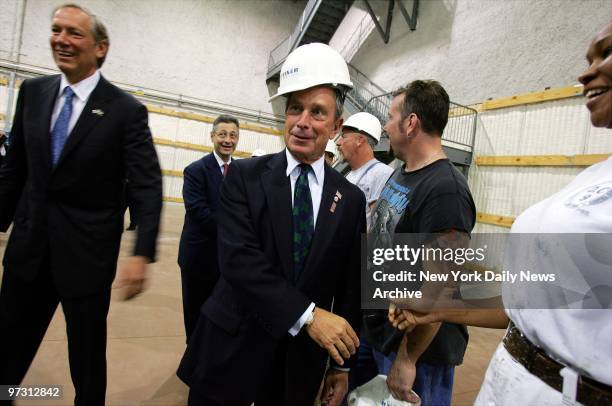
(82, 90)
(579, 338)
(316, 178)
(371, 178)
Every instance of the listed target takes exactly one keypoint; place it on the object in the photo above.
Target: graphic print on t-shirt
(584, 200)
(391, 204)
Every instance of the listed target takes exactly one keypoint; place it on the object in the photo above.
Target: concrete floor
(146, 338)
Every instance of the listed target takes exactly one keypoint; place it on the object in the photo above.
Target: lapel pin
(98, 112)
(337, 198)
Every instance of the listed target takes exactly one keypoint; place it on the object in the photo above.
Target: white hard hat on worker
(330, 152)
(258, 152)
(314, 78)
(366, 123)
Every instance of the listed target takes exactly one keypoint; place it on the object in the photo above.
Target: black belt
(538, 363)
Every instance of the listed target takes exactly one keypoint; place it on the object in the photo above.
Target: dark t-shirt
(432, 199)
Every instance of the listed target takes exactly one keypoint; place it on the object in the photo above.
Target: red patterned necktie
(225, 166)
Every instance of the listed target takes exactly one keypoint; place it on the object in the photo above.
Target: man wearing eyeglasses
(197, 255)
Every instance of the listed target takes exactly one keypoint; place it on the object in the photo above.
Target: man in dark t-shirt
(426, 195)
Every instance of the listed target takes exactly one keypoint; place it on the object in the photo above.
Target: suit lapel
(97, 102)
(47, 102)
(210, 162)
(277, 189)
(327, 223)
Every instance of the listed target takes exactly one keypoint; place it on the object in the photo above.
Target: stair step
(331, 22)
(315, 31)
(331, 12)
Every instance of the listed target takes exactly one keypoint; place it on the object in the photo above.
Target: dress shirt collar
(318, 166)
(81, 89)
(220, 161)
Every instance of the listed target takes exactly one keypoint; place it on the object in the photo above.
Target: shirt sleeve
(295, 329)
(448, 211)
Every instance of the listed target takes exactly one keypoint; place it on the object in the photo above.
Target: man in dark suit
(197, 254)
(289, 230)
(74, 141)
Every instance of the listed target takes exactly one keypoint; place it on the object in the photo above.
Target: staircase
(318, 23)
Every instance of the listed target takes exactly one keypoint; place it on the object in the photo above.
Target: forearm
(490, 318)
(416, 342)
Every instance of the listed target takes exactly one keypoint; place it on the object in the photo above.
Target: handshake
(407, 320)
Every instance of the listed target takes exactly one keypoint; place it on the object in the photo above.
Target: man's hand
(407, 320)
(132, 277)
(335, 387)
(333, 333)
(401, 378)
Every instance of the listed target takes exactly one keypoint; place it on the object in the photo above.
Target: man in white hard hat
(330, 152)
(258, 152)
(360, 134)
(289, 230)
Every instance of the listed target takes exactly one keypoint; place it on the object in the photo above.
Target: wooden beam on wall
(205, 119)
(495, 219)
(541, 160)
(171, 172)
(172, 199)
(531, 98)
(194, 147)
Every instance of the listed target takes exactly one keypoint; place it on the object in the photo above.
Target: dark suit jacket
(258, 299)
(72, 215)
(201, 187)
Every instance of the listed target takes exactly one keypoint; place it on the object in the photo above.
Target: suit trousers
(26, 309)
(197, 284)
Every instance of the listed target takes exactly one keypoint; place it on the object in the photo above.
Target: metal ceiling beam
(386, 33)
(411, 20)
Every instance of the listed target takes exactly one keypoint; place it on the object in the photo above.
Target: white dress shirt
(220, 161)
(315, 183)
(82, 90)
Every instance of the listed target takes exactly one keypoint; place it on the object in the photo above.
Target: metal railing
(461, 127)
(15, 71)
(357, 38)
(367, 95)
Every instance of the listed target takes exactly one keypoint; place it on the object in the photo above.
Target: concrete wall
(482, 49)
(209, 49)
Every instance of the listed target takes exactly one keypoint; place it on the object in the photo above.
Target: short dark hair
(429, 101)
(225, 118)
(98, 30)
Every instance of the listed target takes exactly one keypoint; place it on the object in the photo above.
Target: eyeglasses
(224, 134)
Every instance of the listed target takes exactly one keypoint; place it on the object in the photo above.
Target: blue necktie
(59, 134)
(303, 220)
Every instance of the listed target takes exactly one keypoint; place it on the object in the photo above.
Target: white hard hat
(331, 148)
(312, 65)
(258, 152)
(365, 122)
